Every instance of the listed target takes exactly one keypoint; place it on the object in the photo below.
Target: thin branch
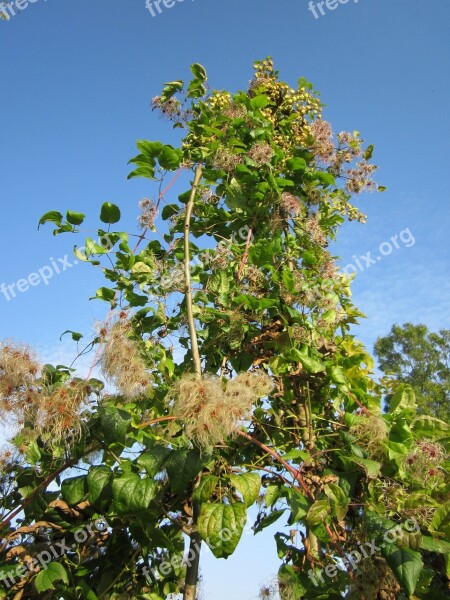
(187, 273)
(158, 420)
(247, 246)
(294, 472)
(43, 484)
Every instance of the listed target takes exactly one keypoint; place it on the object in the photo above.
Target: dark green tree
(414, 355)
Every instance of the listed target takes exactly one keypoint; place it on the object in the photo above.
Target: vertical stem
(190, 587)
(187, 273)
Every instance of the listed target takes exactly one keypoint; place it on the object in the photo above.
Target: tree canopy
(233, 381)
(413, 355)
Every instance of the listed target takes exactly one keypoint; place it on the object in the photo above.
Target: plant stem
(190, 587)
(187, 273)
(244, 258)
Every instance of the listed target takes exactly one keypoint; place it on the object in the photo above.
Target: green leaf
(295, 454)
(221, 526)
(406, 565)
(205, 489)
(109, 213)
(150, 150)
(45, 579)
(199, 71)
(432, 545)
(106, 294)
(269, 520)
(182, 467)
(441, 516)
(312, 365)
(273, 492)
(169, 211)
(339, 499)
(427, 426)
(132, 494)
(325, 178)
(143, 171)
(219, 283)
(318, 512)
(337, 375)
(114, 423)
(74, 489)
(368, 152)
(259, 102)
(99, 481)
(403, 399)
(75, 218)
(296, 164)
(371, 467)
(153, 460)
(74, 334)
(299, 506)
(248, 485)
(309, 258)
(170, 158)
(52, 216)
(262, 252)
(33, 453)
(170, 89)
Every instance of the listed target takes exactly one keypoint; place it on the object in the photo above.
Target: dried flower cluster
(149, 212)
(424, 461)
(225, 160)
(278, 589)
(6, 460)
(323, 146)
(235, 111)
(171, 108)
(211, 413)
(55, 413)
(315, 231)
(219, 257)
(371, 434)
(58, 416)
(360, 178)
(121, 361)
(171, 277)
(290, 204)
(373, 579)
(338, 158)
(261, 153)
(19, 370)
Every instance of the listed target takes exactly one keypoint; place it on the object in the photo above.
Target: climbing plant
(230, 379)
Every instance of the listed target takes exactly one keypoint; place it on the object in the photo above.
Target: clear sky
(76, 80)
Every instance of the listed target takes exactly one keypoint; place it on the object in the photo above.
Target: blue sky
(77, 78)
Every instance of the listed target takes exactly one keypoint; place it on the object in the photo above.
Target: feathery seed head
(121, 361)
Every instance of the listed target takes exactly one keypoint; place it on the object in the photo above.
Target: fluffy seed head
(211, 413)
(121, 361)
(261, 153)
(290, 203)
(149, 212)
(371, 433)
(59, 414)
(19, 371)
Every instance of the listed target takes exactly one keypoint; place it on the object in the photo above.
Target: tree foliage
(233, 380)
(413, 355)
